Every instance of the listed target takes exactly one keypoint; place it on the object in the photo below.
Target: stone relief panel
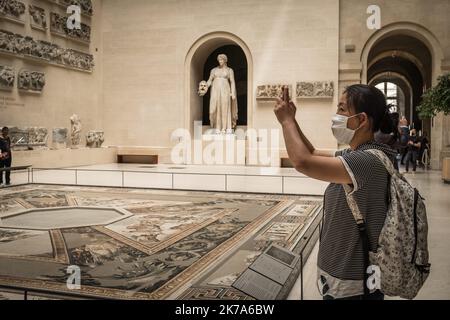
(12, 9)
(44, 51)
(59, 138)
(28, 137)
(7, 78)
(58, 25)
(271, 91)
(315, 89)
(31, 81)
(95, 139)
(38, 19)
(85, 5)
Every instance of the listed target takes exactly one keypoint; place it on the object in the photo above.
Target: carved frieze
(38, 19)
(7, 78)
(95, 139)
(58, 25)
(85, 5)
(28, 137)
(45, 51)
(31, 81)
(271, 91)
(315, 89)
(12, 9)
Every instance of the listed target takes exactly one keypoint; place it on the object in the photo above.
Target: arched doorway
(395, 43)
(405, 62)
(197, 63)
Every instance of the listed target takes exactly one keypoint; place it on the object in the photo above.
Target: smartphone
(286, 94)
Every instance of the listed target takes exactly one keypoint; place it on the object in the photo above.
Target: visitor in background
(361, 112)
(413, 150)
(392, 139)
(404, 137)
(424, 146)
(6, 156)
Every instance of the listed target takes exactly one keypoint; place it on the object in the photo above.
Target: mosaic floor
(142, 244)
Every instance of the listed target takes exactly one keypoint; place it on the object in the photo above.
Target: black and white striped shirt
(340, 252)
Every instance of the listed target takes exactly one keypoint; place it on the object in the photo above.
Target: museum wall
(69, 88)
(146, 45)
(423, 20)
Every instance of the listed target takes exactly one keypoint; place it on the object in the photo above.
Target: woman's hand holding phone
(285, 109)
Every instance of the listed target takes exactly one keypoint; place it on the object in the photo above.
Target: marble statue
(95, 139)
(223, 109)
(75, 135)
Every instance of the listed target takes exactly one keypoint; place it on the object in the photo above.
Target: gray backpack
(402, 253)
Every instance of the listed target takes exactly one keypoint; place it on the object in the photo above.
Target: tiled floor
(437, 196)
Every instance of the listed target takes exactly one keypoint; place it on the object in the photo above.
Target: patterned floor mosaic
(168, 245)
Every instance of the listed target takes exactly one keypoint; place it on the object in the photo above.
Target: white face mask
(342, 134)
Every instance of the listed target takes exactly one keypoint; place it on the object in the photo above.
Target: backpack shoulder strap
(384, 160)
(362, 229)
(353, 205)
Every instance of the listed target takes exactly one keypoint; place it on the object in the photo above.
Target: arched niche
(195, 61)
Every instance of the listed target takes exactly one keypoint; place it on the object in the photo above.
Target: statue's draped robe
(223, 110)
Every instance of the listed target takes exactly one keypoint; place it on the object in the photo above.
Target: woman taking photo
(361, 112)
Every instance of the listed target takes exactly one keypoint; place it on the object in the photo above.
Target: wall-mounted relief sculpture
(7, 78)
(28, 137)
(271, 91)
(95, 139)
(58, 26)
(31, 81)
(59, 138)
(75, 132)
(44, 51)
(315, 89)
(85, 5)
(12, 10)
(38, 19)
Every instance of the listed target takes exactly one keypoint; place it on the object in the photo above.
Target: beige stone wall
(66, 91)
(146, 44)
(426, 20)
(65, 157)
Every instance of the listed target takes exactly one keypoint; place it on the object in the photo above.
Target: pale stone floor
(437, 200)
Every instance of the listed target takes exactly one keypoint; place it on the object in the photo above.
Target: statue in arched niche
(223, 109)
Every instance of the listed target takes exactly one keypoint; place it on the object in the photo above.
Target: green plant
(436, 100)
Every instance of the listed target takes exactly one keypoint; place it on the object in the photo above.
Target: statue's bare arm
(233, 84)
(211, 78)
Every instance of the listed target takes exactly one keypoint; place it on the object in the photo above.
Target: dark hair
(5, 128)
(370, 100)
